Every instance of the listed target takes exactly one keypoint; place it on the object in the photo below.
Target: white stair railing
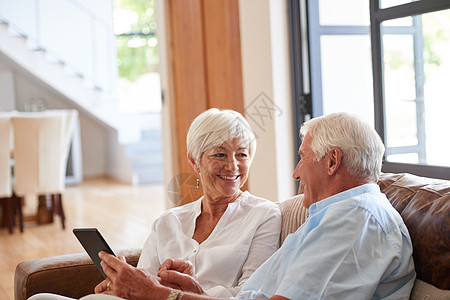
(70, 33)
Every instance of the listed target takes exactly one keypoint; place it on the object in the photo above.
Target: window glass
(390, 3)
(332, 12)
(399, 86)
(407, 21)
(347, 75)
(417, 92)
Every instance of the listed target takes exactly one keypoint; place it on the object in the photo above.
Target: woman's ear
(193, 163)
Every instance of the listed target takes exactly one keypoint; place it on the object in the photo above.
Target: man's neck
(344, 182)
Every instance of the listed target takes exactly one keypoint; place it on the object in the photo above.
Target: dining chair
(41, 148)
(11, 204)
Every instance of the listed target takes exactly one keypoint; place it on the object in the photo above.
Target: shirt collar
(356, 191)
(198, 203)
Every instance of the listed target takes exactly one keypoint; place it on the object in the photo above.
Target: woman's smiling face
(223, 170)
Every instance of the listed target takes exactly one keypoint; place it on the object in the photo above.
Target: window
(411, 67)
(385, 60)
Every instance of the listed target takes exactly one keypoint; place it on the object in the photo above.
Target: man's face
(310, 172)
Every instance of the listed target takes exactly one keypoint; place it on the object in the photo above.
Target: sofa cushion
(293, 215)
(426, 291)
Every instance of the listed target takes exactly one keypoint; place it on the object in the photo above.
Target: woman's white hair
(362, 148)
(214, 127)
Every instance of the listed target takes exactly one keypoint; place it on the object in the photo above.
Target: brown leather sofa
(423, 203)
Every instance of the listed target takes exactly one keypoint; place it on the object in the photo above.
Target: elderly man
(354, 244)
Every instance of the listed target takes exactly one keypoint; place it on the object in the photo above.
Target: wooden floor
(122, 213)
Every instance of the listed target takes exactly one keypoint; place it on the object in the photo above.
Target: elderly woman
(227, 233)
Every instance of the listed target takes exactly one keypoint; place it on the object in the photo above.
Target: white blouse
(245, 236)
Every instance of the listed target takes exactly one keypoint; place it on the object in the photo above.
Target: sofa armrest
(72, 275)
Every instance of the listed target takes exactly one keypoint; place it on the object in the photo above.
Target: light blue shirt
(354, 245)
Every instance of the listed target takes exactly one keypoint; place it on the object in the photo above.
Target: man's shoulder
(376, 207)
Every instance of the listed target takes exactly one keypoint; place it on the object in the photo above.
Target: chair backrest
(70, 121)
(41, 146)
(5, 155)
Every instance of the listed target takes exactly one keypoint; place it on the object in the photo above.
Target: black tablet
(93, 242)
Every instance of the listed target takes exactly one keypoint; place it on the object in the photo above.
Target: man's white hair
(361, 145)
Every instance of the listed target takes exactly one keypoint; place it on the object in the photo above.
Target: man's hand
(126, 281)
(179, 274)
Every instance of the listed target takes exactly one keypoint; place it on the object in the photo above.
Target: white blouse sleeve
(264, 243)
(149, 256)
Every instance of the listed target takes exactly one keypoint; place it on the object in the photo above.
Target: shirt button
(195, 251)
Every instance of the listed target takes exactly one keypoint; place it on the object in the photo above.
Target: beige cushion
(426, 291)
(293, 215)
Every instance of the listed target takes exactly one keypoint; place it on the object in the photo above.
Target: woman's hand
(180, 265)
(179, 274)
(127, 281)
(103, 287)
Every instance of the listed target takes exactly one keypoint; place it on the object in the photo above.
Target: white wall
(7, 95)
(266, 76)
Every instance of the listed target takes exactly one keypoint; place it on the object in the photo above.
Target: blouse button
(195, 251)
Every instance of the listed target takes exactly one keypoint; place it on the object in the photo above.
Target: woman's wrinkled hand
(127, 281)
(179, 274)
(103, 286)
(180, 265)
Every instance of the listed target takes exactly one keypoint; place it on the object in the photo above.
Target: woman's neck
(212, 211)
(215, 207)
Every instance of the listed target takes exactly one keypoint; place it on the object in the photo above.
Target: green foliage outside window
(137, 45)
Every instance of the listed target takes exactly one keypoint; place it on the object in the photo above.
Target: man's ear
(193, 163)
(334, 160)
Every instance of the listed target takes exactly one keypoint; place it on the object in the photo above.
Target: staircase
(146, 157)
(38, 62)
(93, 96)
